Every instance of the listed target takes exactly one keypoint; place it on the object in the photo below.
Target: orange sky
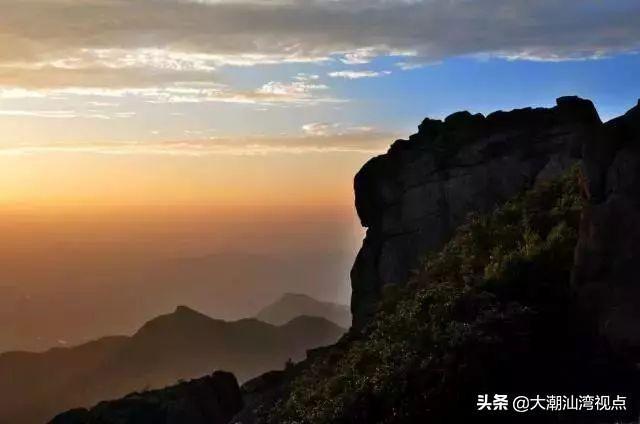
(227, 183)
(134, 133)
(123, 238)
(123, 234)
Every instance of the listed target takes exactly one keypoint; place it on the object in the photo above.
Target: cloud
(306, 77)
(318, 129)
(62, 43)
(300, 88)
(326, 129)
(358, 74)
(360, 56)
(65, 114)
(58, 114)
(409, 66)
(297, 92)
(354, 141)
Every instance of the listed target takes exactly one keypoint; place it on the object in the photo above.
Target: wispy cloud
(332, 129)
(61, 114)
(358, 74)
(409, 66)
(319, 129)
(316, 138)
(295, 92)
(65, 114)
(361, 55)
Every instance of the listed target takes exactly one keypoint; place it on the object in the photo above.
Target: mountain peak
(185, 310)
(310, 320)
(291, 305)
(183, 318)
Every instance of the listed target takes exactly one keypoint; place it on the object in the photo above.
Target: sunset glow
(155, 129)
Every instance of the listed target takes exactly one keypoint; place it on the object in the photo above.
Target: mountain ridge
(290, 305)
(182, 344)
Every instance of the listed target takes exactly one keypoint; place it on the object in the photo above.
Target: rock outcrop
(535, 291)
(413, 197)
(606, 269)
(210, 400)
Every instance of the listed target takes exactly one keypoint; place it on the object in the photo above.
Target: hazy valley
(181, 345)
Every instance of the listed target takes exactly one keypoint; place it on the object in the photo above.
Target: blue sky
(398, 101)
(404, 98)
(205, 77)
(225, 76)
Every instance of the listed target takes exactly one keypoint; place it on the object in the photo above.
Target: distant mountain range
(180, 345)
(292, 305)
(115, 291)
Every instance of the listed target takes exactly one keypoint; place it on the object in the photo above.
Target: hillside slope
(538, 296)
(490, 313)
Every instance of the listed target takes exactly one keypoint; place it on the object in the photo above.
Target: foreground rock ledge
(210, 400)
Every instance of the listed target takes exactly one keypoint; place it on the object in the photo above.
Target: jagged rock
(606, 269)
(414, 196)
(209, 400)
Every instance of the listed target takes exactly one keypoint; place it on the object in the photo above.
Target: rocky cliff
(500, 257)
(413, 197)
(607, 255)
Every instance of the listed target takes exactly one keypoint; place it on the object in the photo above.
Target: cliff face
(607, 254)
(534, 290)
(413, 197)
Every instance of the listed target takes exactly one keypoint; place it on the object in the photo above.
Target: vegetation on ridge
(489, 311)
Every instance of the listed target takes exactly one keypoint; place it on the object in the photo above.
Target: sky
(181, 98)
(156, 129)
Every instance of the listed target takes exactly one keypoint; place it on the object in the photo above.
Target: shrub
(495, 297)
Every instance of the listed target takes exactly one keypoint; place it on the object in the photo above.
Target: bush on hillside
(488, 311)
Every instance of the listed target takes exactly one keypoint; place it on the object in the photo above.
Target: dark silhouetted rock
(260, 394)
(413, 197)
(608, 251)
(209, 400)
